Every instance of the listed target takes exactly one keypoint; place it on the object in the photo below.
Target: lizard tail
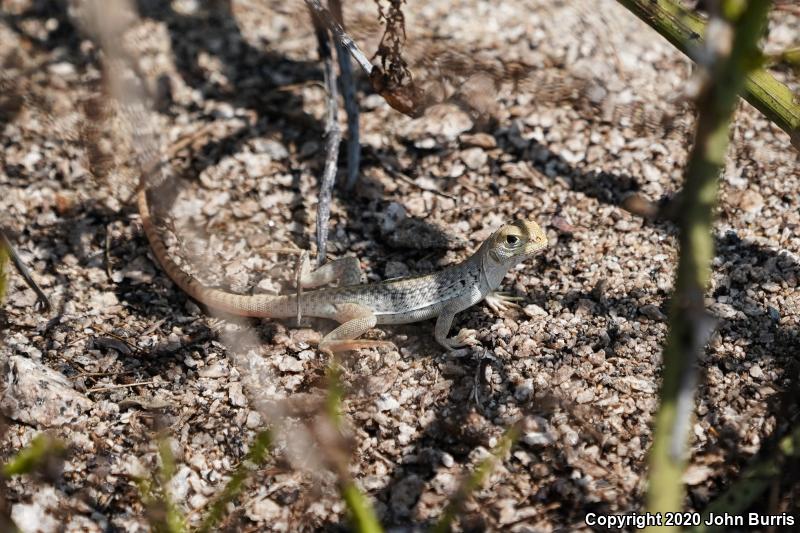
(236, 304)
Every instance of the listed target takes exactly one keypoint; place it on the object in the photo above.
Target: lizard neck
(492, 271)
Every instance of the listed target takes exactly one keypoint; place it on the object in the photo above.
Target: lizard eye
(512, 239)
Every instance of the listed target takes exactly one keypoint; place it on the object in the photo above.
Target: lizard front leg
(356, 319)
(445, 321)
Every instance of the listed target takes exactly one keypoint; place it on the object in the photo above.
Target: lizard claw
(458, 346)
(502, 301)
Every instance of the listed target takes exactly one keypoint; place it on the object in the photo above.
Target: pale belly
(409, 317)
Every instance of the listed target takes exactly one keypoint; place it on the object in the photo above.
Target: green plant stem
(162, 514)
(472, 482)
(689, 324)
(175, 521)
(361, 511)
(34, 455)
(685, 30)
(255, 458)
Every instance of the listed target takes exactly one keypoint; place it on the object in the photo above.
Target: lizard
(360, 307)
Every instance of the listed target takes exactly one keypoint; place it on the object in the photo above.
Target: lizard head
(516, 242)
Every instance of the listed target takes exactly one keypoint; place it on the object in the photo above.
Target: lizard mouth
(534, 249)
(538, 239)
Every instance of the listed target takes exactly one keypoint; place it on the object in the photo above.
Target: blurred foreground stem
(689, 323)
(473, 482)
(4, 266)
(686, 31)
(256, 457)
(362, 514)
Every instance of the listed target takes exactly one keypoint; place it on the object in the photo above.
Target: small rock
(395, 269)
(224, 110)
(253, 420)
(562, 225)
(751, 201)
(441, 123)
(445, 482)
(723, 310)
(62, 69)
(457, 170)
(37, 395)
(405, 433)
(507, 511)
(270, 147)
(112, 343)
(696, 474)
(699, 431)
(34, 517)
(236, 395)
(640, 384)
(652, 312)
(771, 286)
(391, 218)
(405, 494)
(537, 438)
(569, 435)
(197, 501)
(263, 510)
(585, 307)
(756, 372)
(524, 390)
(447, 460)
(533, 310)
(563, 374)
(585, 396)
(179, 484)
(257, 165)
(133, 467)
(480, 140)
(774, 314)
(217, 370)
(386, 403)
(625, 225)
(102, 300)
(290, 364)
(140, 270)
(474, 158)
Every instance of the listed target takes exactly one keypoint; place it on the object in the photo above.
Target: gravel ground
(601, 117)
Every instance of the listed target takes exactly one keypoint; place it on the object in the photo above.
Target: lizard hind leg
(356, 319)
(345, 270)
(456, 346)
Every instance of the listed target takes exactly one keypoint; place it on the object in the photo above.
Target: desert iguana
(359, 307)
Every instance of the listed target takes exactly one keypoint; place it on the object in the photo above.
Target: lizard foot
(501, 301)
(460, 345)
